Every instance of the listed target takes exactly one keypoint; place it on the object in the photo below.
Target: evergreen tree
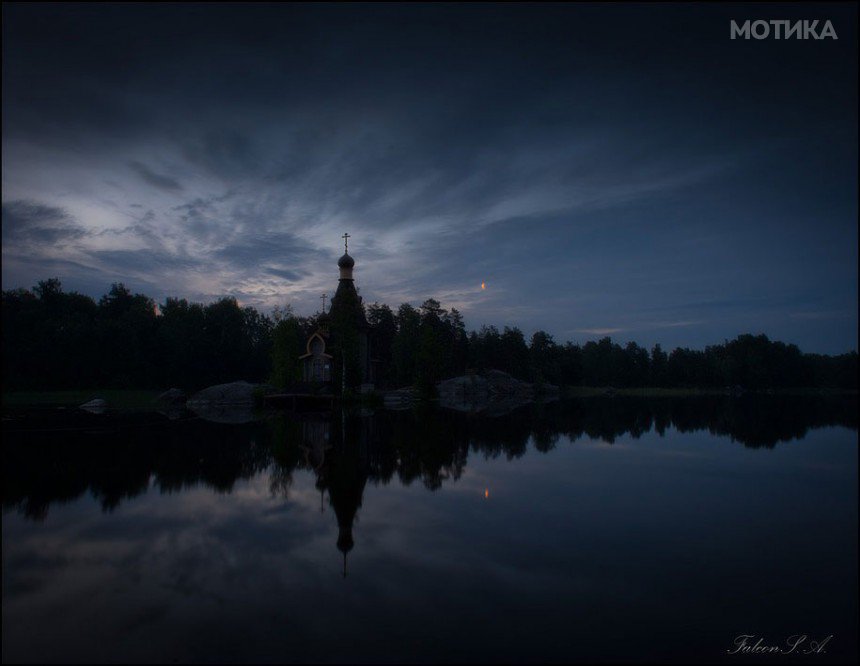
(383, 331)
(405, 346)
(287, 346)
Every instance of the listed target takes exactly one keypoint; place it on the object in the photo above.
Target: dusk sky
(623, 170)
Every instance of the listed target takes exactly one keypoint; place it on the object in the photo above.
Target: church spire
(345, 263)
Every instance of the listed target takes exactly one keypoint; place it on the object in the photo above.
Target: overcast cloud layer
(620, 170)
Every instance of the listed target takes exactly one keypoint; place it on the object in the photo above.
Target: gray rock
(501, 383)
(464, 388)
(492, 394)
(234, 393)
(172, 396)
(95, 406)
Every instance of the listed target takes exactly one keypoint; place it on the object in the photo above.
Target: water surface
(604, 528)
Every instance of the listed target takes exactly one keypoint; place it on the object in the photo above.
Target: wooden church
(339, 350)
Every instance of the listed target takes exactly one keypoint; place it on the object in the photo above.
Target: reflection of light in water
(483, 285)
(486, 493)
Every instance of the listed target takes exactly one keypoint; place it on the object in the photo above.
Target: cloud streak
(644, 193)
(155, 179)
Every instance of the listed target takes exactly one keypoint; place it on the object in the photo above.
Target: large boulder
(226, 403)
(234, 393)
(172, 396)
(95, 406)
(171, 403)
(501, 383)
(466, 388)
(495, 392)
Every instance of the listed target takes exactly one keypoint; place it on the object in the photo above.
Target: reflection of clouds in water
(195, 544)
(205, 575)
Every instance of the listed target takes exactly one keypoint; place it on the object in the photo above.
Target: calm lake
(606, 528)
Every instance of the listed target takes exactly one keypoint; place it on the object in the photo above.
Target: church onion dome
(346, 261)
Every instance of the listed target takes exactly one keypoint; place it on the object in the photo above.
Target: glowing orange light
(486, 493)
(483, 285)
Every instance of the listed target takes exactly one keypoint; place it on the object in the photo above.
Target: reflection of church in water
(339, 454)
(341, 339)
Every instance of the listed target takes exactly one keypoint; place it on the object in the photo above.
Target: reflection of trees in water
(116, 457)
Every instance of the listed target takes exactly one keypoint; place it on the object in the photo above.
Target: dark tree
(405, 347)
(287, 346)
(383, 331)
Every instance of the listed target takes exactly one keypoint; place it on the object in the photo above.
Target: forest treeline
(53, 339)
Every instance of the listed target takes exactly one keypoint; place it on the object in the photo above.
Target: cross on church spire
(346, 238)
(323, 297)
